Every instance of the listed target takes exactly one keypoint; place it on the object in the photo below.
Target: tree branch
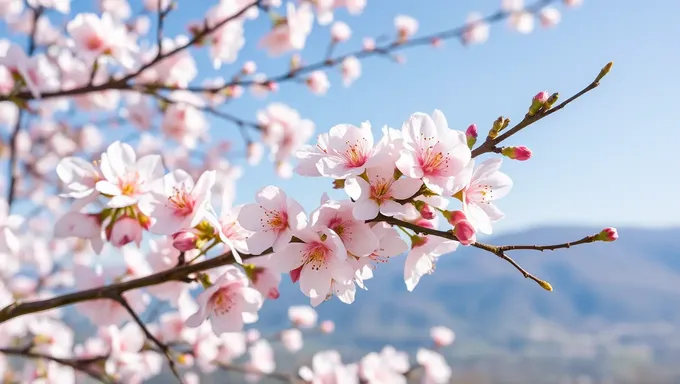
(489, 145)
(385, 50)
(82, 365)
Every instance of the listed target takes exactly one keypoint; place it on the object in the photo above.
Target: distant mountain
(615, 306)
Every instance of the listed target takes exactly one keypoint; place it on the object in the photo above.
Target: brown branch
(294, 73)
(162, 346)
(114, 290)
(489, 145)
(14, 137)
(82, 365)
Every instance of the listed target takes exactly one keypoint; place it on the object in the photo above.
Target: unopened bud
(427, 212)
(184, 241)
(249, 67)
(608, 234)
(496, 128)
(471, 135)
(465, 232)
(369, 44)
(436, 42)
(552, 100)
(454, 217)
(604, 71)
(538, 102)
(520, 153)
(545, 285)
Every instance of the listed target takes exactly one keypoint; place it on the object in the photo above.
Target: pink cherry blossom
(318, 82)
(124, 231)
(432, 151)
(340, 32)
(437, 370)
(422, 258)
(302, 316)
(476, 31)
(608, 234)
(263, 278)
(179, 203)
(127, 180)
(289, 33)
(327, 367)
(94, 36)
(183, 121)
(82, 226)
(406, 27)
(388, 366)
(291, 339)
(327, 326)
(229, 303)
(323, 258)
(351, 70)
(378, 194)
(356, 236)
(273, 218)
(442, 336)
(228, 39)
(348, 151)
(261, 360)
(481, 185)
(550, 17)
(284, 130)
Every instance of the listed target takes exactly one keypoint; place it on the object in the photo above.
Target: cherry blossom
(379, 193)
(442, 336)
(356, 236)
(327, 367)
(179, 203)
(289, 33)
(273, 218)
(323, 259)
(437, 370)
(351, 70)
(302, 316)
(229, 303)
(126, 179)
(481, 185)
(422, 258)
(388, 366)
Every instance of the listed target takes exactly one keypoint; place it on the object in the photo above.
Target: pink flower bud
(465, 232)
(437, 42)
(471, 135)
(542, 97)
(124, 231)
(424, 223)
(427, 212)
(369, 44)
(249, 68)
(520, 153)
(455, 217)
(608, 234)
(295, 274)
(327, 326)
(184, 241)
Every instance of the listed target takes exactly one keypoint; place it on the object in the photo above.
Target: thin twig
(489, 145)
(162, 346)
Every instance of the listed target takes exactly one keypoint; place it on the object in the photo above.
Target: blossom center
(381, 191)
(480, 193)
(129, 185)
(316, 255)
(222, 301)
(354, 155)
(277, 220)
(182, 201)
(94, 43)
(433, 163)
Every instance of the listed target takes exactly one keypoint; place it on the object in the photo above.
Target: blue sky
(604, 160)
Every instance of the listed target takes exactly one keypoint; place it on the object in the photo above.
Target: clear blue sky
(608, 159)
